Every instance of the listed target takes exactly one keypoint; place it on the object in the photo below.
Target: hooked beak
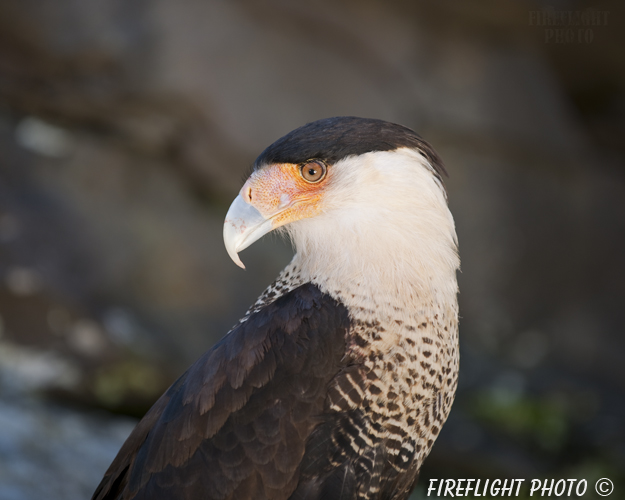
(243, 226)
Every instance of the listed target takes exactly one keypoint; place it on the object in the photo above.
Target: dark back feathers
(237, 422)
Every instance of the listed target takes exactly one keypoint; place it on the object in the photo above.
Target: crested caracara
(337, 381)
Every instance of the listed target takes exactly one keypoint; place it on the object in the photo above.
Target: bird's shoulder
(239, 419)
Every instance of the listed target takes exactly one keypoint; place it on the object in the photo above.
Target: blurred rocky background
(126, 128)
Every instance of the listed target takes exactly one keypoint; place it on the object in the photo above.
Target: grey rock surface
(48, 451)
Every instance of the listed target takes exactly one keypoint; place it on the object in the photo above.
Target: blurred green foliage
(535, 421)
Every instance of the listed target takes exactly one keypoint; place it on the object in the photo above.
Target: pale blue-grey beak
(243, 226)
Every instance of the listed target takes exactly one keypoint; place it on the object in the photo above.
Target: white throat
(385, 230)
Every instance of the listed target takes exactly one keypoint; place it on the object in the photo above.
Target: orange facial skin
(279, 192)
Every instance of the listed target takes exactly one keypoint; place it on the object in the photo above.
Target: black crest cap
(332, 139)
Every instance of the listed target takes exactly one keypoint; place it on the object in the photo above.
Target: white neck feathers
(385, 229)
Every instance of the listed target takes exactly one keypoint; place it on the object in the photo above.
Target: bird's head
(352, 193)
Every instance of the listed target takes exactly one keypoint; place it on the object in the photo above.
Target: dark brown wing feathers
(237, 422)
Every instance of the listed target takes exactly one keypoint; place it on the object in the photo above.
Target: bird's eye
(313, 171)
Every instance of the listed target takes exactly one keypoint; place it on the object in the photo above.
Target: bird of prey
(336, 382)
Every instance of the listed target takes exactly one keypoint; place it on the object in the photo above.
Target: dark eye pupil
(312, 172)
